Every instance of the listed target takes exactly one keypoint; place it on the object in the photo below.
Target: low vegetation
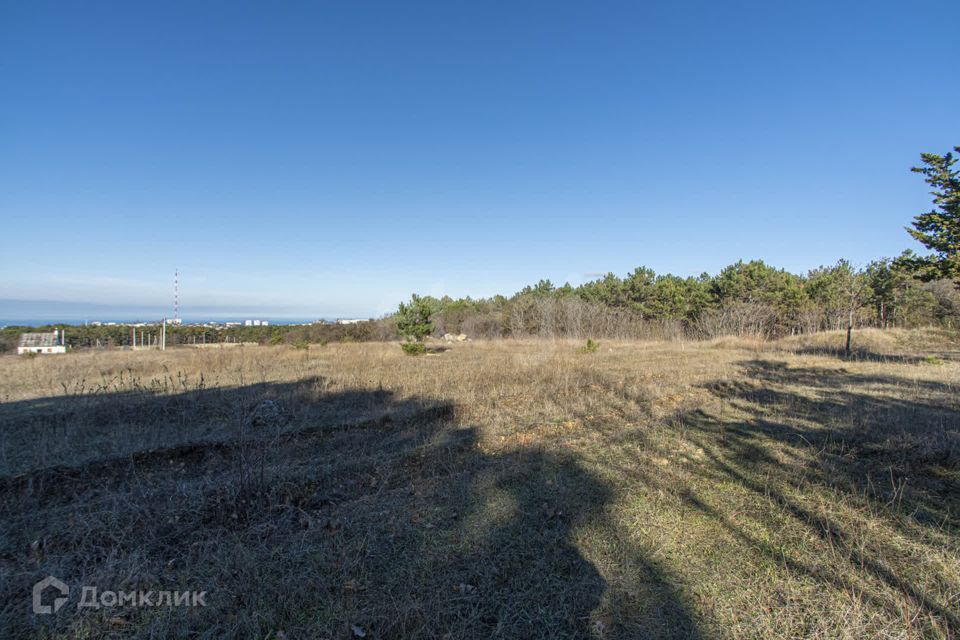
(590, 347)
(413, 348)
(731, 488)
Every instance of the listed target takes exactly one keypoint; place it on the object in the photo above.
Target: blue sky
(330, 158)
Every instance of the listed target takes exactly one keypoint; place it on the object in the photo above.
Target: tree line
(746, 298)
(119, 335)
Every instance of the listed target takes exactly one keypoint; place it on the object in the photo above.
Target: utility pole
(163, 336)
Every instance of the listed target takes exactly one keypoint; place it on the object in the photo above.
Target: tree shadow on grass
(862, 354)
(340, 514)
(849, 433)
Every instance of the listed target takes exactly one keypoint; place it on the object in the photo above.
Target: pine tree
(413, 319)
(939, 229)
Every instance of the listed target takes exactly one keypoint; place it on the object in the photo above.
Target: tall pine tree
(939, 229)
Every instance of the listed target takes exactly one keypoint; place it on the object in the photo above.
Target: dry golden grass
(516, 489)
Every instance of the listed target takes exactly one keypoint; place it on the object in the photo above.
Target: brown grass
(512, 489)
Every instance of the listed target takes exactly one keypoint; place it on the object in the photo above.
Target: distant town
(37, 338)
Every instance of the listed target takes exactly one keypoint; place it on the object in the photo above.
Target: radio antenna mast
(176, 296)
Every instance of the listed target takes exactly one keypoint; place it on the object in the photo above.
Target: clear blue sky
(330, 158)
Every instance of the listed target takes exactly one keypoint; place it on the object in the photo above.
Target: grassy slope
(725, 489)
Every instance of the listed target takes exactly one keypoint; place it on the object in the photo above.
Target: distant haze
(34, 313)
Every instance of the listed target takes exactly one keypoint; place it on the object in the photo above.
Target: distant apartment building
(42, 343)
(256, 323)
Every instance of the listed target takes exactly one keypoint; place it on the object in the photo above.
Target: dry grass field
(727, 489)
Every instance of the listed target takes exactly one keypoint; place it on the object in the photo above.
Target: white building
(42, 343)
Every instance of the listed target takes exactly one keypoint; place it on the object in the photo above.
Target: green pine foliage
(413, 348)
(939, 228)
(591, 347)
(413, 319)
